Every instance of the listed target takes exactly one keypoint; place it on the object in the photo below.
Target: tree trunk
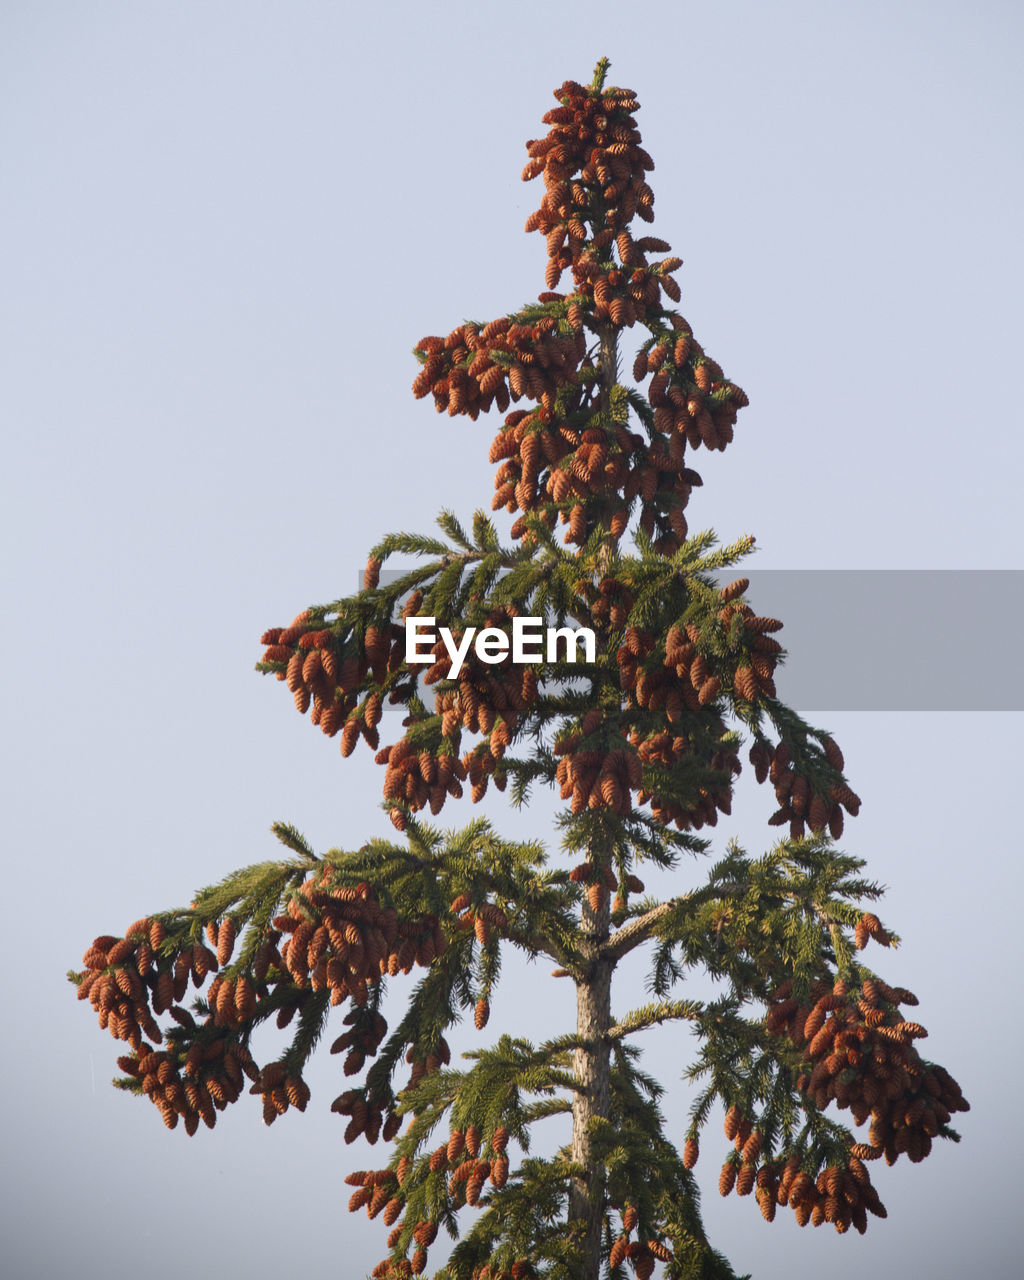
(592, 1068)
(592, 1062)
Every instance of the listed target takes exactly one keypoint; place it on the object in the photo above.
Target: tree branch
(537, 942)
(654, 1015)
(637, 931)
(640, 929)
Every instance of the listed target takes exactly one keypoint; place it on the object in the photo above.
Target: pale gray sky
(224, 226)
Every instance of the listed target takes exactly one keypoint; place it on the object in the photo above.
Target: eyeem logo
(530, 641)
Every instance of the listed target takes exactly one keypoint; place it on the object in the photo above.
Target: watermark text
(530, 641)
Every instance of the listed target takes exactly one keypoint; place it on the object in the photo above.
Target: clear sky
(223, 228)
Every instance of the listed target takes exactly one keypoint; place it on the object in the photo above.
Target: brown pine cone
(818, 814)
(746, 684)
(371, 574)
(709, 690)
(732, 1122)
(225, 940)
(425, 1233)
(832, 754)
(733, 590)
(475, 1183)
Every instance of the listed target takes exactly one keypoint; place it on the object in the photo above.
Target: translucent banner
(891, 639)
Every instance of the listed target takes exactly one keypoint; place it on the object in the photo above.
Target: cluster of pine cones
(120, 981)
(337, 938)
(463, 1164)
(305, 657)
(593, 135)
(555, 462)
(476, 366)
(855, 1049)
(403, 1270)
(129, 980)
(600, 880)
(519, 1270)
(858, 1051)
(669, 676)
(489, 699)
(341, 939)
(801, 804)
(676, 675)
(641, 1255)
(842, 1196)
(485, 918)
(197, 1084)
(692, 401)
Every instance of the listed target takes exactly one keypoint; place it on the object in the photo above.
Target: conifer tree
(642, 738)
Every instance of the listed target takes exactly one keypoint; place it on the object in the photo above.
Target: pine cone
(225, 940)
(746, 684)
(833, 754)
(709, 690)
(734, 589)
(732, 1122)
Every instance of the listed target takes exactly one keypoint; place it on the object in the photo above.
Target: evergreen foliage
(643, 744)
